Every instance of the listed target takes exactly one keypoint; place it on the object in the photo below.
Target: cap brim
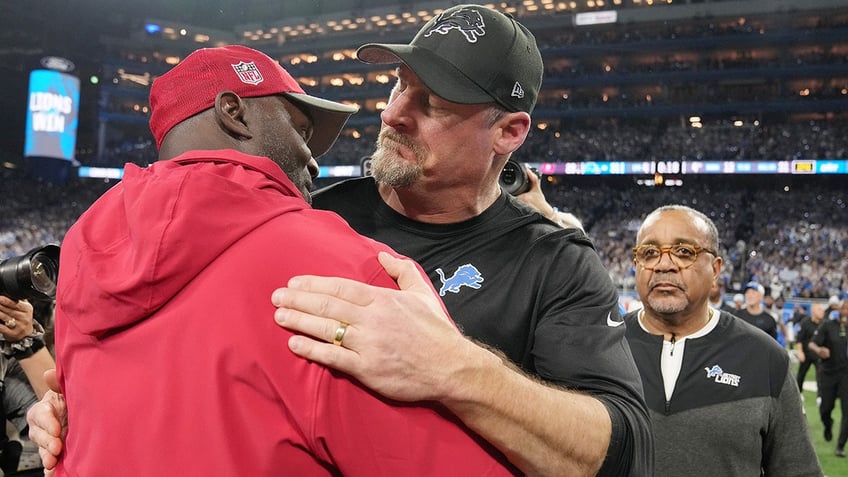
(440, 76)
(328, 119)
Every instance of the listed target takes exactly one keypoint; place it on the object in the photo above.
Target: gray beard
(664, 306)
(390, 171)
(389, 168)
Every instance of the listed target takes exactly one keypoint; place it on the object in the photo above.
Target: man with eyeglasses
(720, 394)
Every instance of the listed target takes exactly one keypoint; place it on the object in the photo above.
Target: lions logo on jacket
(467, 21)
(721, 376)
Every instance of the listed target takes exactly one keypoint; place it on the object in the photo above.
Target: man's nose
(666, 262)
(312, 167)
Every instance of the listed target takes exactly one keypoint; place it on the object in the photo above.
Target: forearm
(34, 368)
(799, 352)
(543, 430)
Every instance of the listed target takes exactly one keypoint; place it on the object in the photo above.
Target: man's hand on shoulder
(400, 343)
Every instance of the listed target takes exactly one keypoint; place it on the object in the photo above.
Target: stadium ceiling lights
(303, 27)
(378, 20)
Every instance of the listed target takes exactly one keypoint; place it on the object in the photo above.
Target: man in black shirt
(832, 310)
(754, 312)
(806, 358)
(830, 342)
(511, 279)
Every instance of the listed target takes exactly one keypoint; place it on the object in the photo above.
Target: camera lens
(32, 276)
(513, 178)
(508, 175)
(43, 273)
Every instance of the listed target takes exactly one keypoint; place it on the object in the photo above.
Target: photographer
(523, 182)
(23, 343)
(23, 360)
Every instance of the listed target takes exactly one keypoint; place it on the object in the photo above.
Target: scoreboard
(603, 168)
(801, 166)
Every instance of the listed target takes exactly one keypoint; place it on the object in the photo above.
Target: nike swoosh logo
(613, 323)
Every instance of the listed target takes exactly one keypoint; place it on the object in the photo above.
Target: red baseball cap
(192, 85)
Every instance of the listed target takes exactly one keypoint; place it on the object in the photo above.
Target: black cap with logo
(470, 54)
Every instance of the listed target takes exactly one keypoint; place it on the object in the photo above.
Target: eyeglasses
(683, 255)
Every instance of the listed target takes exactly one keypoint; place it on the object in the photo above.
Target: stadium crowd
(794, 241)
(35, 213)
(658, 140)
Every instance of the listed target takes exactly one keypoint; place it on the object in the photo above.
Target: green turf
(833, 466)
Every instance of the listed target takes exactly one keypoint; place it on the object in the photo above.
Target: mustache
(673, 281)
(387, 136)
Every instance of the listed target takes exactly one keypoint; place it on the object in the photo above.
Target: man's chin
(666, 306)
(394, 170)
(394, 179)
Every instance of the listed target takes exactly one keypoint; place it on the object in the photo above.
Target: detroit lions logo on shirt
(467, 21)
(465, 276)
(721, 377)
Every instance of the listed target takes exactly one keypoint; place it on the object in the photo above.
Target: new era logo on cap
(517, 90)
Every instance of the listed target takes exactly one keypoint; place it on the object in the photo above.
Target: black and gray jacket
(735, 409)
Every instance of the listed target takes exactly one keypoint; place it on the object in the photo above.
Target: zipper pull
(671, 351)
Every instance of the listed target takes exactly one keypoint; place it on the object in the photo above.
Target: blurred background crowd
(790, 235)
(625, 80)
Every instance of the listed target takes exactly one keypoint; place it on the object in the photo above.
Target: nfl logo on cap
(248, 72)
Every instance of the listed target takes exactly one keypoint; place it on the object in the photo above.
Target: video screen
(52, 115)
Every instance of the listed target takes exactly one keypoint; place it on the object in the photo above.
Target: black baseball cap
(470, 54)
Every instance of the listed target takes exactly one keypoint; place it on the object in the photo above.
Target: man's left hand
(399, 343)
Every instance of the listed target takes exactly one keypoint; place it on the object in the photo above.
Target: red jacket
(169, 356)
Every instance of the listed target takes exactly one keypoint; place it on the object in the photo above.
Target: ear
(717, 262)
(229, 115)
(512, 131)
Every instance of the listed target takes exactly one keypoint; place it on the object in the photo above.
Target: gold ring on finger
(340, 333)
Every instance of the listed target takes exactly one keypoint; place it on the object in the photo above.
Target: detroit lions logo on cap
(248, 73)
(467, 21)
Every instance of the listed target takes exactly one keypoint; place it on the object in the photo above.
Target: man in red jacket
(160, 373)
